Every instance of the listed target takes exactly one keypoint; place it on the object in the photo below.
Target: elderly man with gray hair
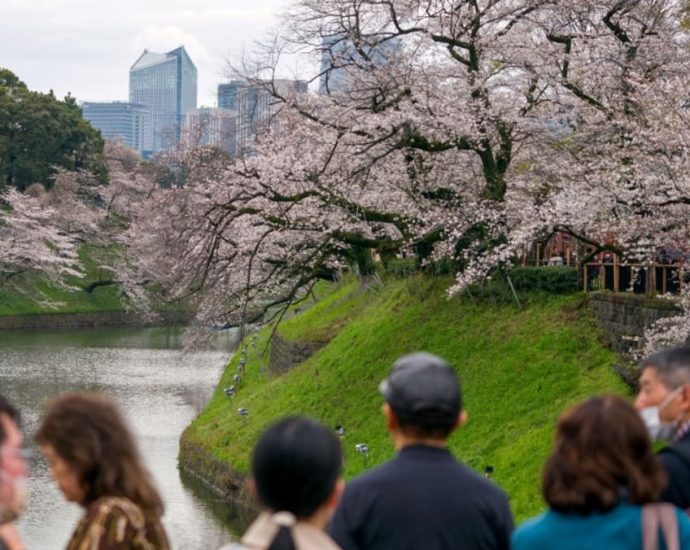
(663, 399)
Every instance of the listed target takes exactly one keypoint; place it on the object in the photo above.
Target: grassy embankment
(519, 368)
(32, 294)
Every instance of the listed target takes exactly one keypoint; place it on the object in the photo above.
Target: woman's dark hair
(603, 454)
(88, 432)
(296, 464)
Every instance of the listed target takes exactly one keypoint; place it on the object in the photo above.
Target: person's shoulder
(378, 474)
(117, 506)
(531, 531)
(372, 485)
(683, 528)
(366, 482)
(122, 518)
(675, 459)
(478, 484)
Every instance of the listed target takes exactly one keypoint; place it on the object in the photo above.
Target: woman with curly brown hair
(600, 477)
(95, 463)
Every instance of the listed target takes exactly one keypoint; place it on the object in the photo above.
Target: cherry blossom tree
(29, 241)
(41, 230)
(468, 128)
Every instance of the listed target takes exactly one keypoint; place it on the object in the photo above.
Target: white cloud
(162, 39)
(87, 46)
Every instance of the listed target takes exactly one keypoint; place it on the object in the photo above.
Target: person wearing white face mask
(13, 473)
(663, 401)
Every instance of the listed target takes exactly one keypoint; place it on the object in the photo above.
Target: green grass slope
(519, 369)
(31, 293)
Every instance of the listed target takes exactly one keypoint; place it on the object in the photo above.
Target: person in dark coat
(424, 497)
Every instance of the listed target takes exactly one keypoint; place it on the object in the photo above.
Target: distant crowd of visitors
(603, 483)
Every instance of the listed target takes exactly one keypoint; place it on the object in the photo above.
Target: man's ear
(685, 398)
(462, 418)
(391, 419)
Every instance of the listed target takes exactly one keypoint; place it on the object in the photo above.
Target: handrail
(649, 278)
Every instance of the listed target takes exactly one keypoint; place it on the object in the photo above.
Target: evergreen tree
(38, 133)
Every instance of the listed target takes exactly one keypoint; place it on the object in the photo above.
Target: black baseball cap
(423, 389)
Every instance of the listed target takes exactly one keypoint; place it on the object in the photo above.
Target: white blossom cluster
(468, 129)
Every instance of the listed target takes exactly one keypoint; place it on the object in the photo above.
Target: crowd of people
(604, 485)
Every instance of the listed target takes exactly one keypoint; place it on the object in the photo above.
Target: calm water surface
(160, 389)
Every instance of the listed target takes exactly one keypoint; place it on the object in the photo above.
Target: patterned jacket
(116, 523)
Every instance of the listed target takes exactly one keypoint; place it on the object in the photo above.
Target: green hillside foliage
(39, 132)
(520, 368)
(32, 293)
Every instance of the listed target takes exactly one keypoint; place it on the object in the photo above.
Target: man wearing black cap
(423, 498)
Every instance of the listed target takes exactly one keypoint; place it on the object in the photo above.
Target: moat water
(160, 389)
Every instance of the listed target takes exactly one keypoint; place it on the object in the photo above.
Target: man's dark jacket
(422, 499)
(675, 460)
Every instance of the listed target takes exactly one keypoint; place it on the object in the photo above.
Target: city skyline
(56, 44)
(167, 84)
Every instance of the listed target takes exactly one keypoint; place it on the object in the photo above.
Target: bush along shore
(520, 367)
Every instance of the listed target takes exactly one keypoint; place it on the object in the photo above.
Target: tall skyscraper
(166, 83)
(255, 106)
(227, 94)
(339, 56)
(128, 122)
(209, 126)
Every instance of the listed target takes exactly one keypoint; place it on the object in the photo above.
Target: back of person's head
(295, 465)
(89, 433)
(7, 410)
(671, 365)
(602, 455)
(424, 393)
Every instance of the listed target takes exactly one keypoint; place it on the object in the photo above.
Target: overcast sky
(86, 47)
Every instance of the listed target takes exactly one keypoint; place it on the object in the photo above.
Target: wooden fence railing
(649, 279)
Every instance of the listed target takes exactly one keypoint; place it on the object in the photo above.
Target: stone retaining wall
(217, 475)
(624, 317)
(285, 354)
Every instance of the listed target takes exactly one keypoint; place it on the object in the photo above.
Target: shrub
(551, 279)
(402, 267)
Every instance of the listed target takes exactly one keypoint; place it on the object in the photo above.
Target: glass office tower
(211, 126)
(340, 60)
(128, 122)
(166, 83)
(227, 94)
(256, 109)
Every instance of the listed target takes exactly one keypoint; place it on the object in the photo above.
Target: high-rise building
(339, 56)
(256, 107)
(128, 122)
(209, 126)
(166, 83)
(227, 94)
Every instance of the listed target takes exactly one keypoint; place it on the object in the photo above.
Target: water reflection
(237, 517)
(160, 390)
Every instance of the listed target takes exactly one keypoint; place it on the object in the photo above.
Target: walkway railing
(649, 279)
